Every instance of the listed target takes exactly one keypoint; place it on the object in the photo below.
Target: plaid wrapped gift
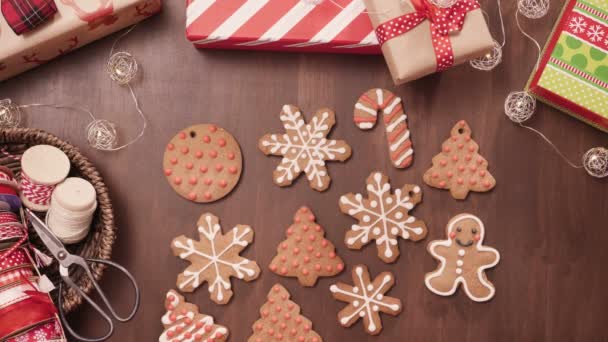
(25, 15)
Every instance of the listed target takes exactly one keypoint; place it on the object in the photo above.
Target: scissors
(66, 259)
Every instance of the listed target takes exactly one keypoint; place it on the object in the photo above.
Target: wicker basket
(98, 244)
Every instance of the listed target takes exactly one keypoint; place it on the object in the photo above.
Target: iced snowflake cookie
(366, 299)
(383, 216)
(183, 322)
(304, 147)
(459, 167)
(281, 320)
(463, 259)
(306, 253)
(215, 258)
(203, 163)
(377, 100)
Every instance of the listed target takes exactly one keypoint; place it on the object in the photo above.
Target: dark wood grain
(548, 220)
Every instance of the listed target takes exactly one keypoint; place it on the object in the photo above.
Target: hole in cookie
(410, 193)
(460, 131)
(192, 134)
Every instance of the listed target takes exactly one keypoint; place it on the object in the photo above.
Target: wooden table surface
(547, 219)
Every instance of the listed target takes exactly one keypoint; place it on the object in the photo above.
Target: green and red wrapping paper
(573, 72)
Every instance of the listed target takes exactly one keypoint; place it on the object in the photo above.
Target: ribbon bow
(443, 22)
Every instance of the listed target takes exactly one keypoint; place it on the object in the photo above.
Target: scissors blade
(48, 238)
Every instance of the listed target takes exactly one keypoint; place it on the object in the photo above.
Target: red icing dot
(298, 238)
(278, 309)
(300, 338)
(459, 181)
(473, 168)
(443, 163)
(461, 123)
(265, 313)
(467, 138)
(221, 142)
(199, 325)
(177, 180)
(324, 243)
(311, 237)
(472, 181)
(309, 248)
(450, 174)
(442, 184)
(307, 328)
(317, 267)
(182, 135)
(482, 173)
(170, 147)
(468, 157)
(170, 333)
(208, 181)
(179, 328)
(305, 228)
(185, 150)
(232, 169)
(471, 148)
(329, 268)
(289, 231)
(274, 319)
(447, 149)
(230, 156)
(188, 334)
(212, 128)
(289, 306)
(283, 258)
(318, 254)
(332, 255)
(455, 158)
(293, 332)
(454, 138)
(259, 326)
(311, 218)
(203, 168)
(284, 270)
(435, 175)
(340, 267)
(284, 245)
(207, 139)
(487, 184)
(223, 183)
(295, 264)
(460, 168)
(461, 146)
(270, 331)
(273, 268)
(298, 319)
(219, 167)
(213, 154)
(189, 166)
(296, 220)
(208, 195)
(303, 210)
(317, 228)
(296, 250)
(283, 325)
(198, 154)
(192, 196)
(305, 271)
(480, 161)
(173, 160)
(306, 259)
(287, 316)
(172, 317)
(168, 172)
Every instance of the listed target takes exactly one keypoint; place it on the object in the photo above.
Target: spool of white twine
(73, 204)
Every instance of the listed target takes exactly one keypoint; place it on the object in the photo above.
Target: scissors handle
(66, 278)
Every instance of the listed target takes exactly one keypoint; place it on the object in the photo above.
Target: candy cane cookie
(397, 133)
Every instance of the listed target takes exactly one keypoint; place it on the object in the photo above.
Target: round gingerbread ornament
(203, 163)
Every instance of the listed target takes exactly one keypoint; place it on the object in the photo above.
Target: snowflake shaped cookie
(215, 258)
(383, 216)
(304, 147)
(366, 299)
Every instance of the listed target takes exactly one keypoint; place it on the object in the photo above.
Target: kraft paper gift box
(572, 75)
(77, 23)
(411, 55)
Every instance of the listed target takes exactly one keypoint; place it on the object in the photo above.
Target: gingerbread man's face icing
(465, 232)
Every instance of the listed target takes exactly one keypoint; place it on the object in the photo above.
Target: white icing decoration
(458, 270)
(461, 252)
(459, 262)
(219, 285)
(310, 145)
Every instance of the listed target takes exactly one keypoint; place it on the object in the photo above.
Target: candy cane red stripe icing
(443, 21)
(395, 120)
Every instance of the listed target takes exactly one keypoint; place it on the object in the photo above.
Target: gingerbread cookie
(369, 104)
(304, 147)
(459, 167)
(366, 299)
(203, 163)
(183, 322)
(281, 320)
(383, 216)
(463, 260)
(306, 253)
(215, 258)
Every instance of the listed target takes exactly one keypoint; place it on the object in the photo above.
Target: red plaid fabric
(24, 15)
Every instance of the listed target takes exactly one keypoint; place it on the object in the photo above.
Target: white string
(576, 166)
(333, 2)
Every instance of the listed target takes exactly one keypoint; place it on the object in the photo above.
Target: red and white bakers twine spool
(42, 168)
(397, 133)
(73, 204)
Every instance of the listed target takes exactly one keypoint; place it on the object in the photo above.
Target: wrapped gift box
(341, 26)
(573, 72)
(77, 23)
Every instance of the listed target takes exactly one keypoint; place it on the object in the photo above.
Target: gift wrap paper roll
(411, 55)
(72, 207)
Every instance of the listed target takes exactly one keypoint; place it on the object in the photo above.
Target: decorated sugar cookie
(459, 167)
(377, 100)
(463, 259)
(183, 322)
(304, 147)
(306, 254)
(383, 216)
(281, 320)
(215, 258)
(366, 299)
(203, 163)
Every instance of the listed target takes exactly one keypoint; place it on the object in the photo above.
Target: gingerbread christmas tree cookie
(463, 259)
(304, 147)
(383, 216)
(203, 163)
(215, 258)
(306, 253)
(281, 320)
(459, 167)
(183, 322)
(366, 299)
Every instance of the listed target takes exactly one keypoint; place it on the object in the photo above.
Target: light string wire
(544, 137)
(98, 129)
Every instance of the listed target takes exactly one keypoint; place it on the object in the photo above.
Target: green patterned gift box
(573, 72)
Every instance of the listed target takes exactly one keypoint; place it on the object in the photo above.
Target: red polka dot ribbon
(443, 22)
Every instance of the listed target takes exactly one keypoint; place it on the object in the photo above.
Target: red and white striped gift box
(337, 26)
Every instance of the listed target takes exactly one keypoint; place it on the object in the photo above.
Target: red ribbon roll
(443, 22)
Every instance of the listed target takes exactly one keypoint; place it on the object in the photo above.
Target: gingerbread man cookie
(203, 163)
(459, 167)
(304, 147)
(463, 260)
